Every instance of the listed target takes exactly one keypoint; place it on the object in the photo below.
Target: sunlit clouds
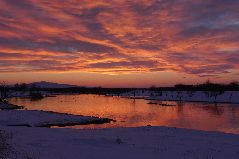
(198, 38)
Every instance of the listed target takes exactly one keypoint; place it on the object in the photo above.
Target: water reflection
(131, 113)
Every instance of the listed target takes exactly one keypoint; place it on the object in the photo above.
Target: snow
(127, 143)
(34, 118)
(138, 94)
(26, 94)
(20, 94)
(191, 96)
(9, 106)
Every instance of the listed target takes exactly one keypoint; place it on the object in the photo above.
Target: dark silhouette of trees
(20, 87)
(3, 91)
(206, 86)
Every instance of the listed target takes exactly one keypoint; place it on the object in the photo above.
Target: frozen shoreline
(38, 118)
(188, 96)
(7, 106)
(35, 118)
(129, 143)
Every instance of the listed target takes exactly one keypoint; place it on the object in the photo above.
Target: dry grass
(5, 148)
(7, 151)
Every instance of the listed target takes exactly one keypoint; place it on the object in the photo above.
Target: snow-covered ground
(26, 94)
(9, 106)
(34, 118)
(127, 143)
(192, 96)
(138, 94)
(42, 84)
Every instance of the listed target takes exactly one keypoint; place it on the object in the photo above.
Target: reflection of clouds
(127, 112)
(194, 37)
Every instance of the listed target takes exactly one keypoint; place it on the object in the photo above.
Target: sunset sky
(119, 43)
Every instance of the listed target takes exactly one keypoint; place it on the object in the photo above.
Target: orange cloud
(120, 37)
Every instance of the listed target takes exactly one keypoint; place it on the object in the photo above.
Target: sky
(119, 43)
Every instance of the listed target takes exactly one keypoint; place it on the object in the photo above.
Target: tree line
(206, 86)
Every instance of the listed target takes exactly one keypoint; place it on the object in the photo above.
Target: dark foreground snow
(123, 143)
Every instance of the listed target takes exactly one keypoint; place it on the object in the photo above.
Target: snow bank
(33, 118)
(26, 94)
(137, 94)
(4, 106)
(192, 96)
(127, 143)
(199, 96)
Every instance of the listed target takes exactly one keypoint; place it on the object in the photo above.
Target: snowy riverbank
(27, 94)
(128, 143)
(34, 118)
(190, 96)
(6, 106)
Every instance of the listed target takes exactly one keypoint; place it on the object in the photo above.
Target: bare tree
(3, 91)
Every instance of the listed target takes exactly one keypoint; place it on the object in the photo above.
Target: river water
(133, 113)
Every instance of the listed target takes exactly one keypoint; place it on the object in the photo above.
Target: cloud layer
(196, 37)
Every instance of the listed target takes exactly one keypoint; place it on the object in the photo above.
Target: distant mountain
(44, 84)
